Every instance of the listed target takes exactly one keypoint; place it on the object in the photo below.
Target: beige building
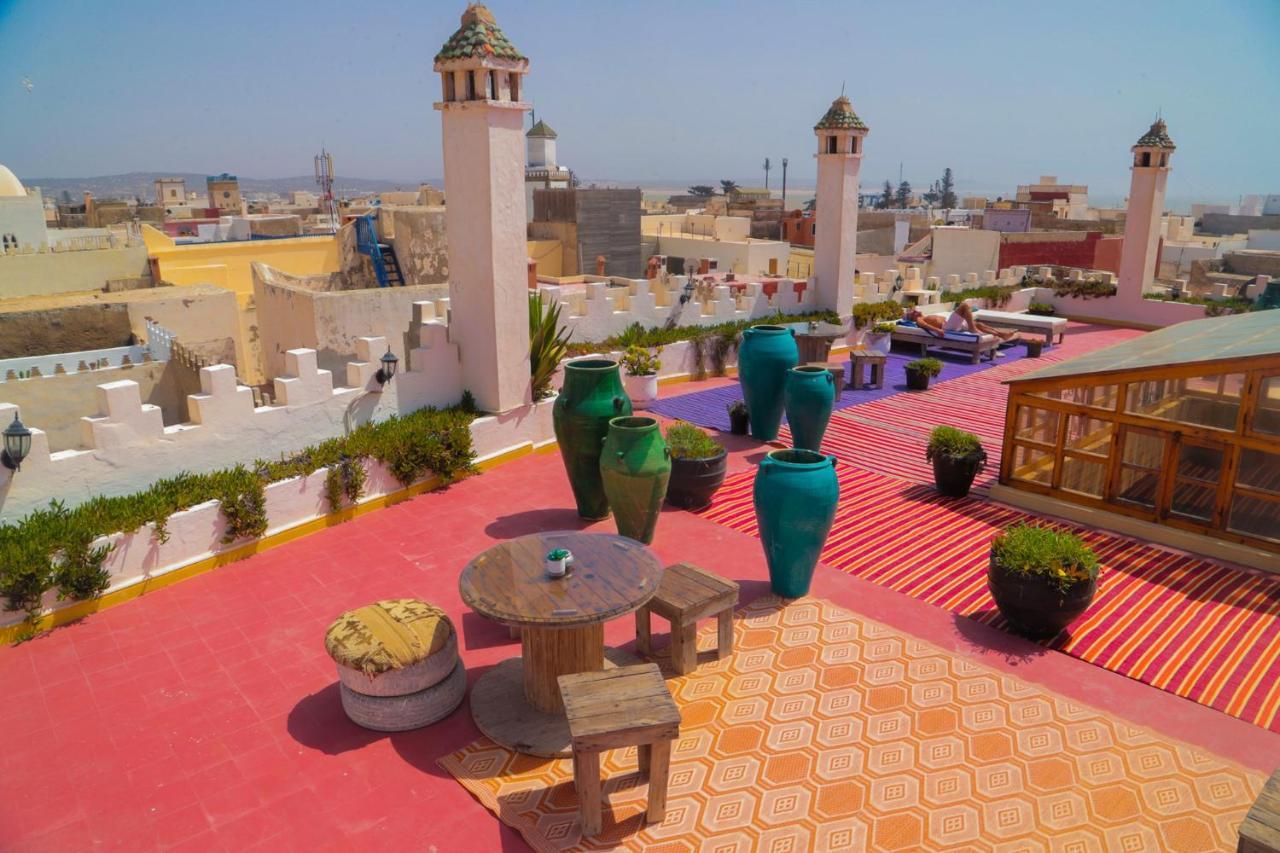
(171, 192)
(224, 193)
(1065, 201)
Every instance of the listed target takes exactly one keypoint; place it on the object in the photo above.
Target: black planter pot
(739, 422)
(917, 380)
(694, 481)
(1035, 606)
(1034, 348)
(953, 475)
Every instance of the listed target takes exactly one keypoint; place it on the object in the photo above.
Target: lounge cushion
(387, 635)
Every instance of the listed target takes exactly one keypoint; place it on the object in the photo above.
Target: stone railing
(32, 367)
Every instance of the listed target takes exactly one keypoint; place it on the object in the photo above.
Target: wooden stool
(624, 706)
(685, 595)
(876, 362)
(837, 372)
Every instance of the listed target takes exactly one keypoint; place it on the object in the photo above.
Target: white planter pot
(643, 389)
(878, 342)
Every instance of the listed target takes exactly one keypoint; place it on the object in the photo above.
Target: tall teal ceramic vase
(765, 356)
(809, 396)
(796, 492)
(592, 396)
(635, 466)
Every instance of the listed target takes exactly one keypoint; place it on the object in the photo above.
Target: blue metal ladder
(386, 267)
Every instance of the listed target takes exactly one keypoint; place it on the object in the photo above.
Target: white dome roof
(9, 183)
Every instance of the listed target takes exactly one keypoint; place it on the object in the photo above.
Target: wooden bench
(1036, 323)
(685, 595)
(836, 369)
(873, 360)
(1260, 832)
(975, 346)
(616, 708)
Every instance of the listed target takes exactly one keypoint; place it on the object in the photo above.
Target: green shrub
(1060, 558)
(548, 342)
(689, 442)
(638, 361)
(737, 407)
(656, 336)
(52, 547)
(998, 295)
(884, 328)
(927, 366)
(949, 441)
(868, 312)
(1041, 309)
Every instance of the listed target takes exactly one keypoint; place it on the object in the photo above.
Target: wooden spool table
(814, 340)
(517, 703)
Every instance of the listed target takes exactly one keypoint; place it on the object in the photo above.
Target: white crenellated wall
(129, 447)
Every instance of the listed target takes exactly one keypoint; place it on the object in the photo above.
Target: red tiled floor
(218, 726)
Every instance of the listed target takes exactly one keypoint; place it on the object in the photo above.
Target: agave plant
(548, 341)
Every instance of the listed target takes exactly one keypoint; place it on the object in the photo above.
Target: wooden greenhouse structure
(1180, 427)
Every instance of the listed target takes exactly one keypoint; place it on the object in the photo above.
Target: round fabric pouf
(401, 713)
(392, 648)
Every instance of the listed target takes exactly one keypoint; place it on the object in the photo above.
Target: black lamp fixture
(17, 444)
(388, 368)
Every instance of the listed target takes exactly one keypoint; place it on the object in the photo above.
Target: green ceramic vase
(766, 354)
(592, 395)
(809, 396)
(635, 466)
(796, 492)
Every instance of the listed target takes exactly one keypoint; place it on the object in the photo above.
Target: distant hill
(142, 184)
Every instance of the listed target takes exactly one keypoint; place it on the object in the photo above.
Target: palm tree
(727, 186)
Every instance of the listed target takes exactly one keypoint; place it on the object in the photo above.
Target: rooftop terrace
(890, 709)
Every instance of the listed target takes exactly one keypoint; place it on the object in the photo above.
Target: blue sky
(659, 91)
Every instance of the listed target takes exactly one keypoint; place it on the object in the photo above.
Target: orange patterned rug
(827, 731)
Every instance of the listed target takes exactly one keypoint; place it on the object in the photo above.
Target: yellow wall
(228, 264)
(546, 253)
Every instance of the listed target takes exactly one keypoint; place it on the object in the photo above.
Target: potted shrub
(697, 466)
(739, 419)
(640, 368)
(878, 339)
(1034, 346)
(1041, 309)
(957, 457)
(1040, 578)
(920, 371)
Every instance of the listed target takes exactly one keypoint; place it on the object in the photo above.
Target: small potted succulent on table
(641, 367)
(739, 419)
(880, 339)
(698, 465)
(1040, 578)
(957, 457)
(920, 371)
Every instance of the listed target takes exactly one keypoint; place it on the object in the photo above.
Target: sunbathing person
(931, 323)
(961, 320)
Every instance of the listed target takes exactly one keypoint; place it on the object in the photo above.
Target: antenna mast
(324, 178)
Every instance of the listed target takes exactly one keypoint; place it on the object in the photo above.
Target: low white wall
(196, 534)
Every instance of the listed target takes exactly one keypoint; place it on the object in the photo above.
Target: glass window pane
(1267, 417)
(1037, 425)
(1259, 470)
(1143, 449)
(1138, 486)
(1200, 463)
(1193, 500)
(1209, 401)
(1089, 435)
(1255, 516)
(1033, 464)
(1100, 396)
(1084, 476)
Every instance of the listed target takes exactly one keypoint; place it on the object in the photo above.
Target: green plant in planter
(689, 442)
(884, 328)
(737, 407)
(1061, 559)
(638, 361)
(867, 312)
(1041, 309)
(949, 441)
(548, 342)
(927, 366)
(344, 479)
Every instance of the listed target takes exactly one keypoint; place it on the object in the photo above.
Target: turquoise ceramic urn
(765, 356)
(796, 492)
(808, 397)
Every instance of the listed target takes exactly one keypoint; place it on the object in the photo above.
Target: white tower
(542, 172)
(483, 128)
(542, 145)
(1138, 254)
(840, 133)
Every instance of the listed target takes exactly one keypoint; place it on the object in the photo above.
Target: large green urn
(796, 492)
(808, 397)
(592, 395)
(765, 356)
(635, 466)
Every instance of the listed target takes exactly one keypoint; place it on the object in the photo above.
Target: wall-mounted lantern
(17, 444)
(388, 368)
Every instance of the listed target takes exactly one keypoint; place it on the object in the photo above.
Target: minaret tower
(1138, 255)
(482, 76)
(840, 133)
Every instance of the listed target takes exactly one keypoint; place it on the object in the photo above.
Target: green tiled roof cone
(478, 37)
(840, 117)
(1156, 137)
(541, 129)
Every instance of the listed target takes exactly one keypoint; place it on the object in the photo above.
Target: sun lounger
(1047, 326)
(975, 345)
